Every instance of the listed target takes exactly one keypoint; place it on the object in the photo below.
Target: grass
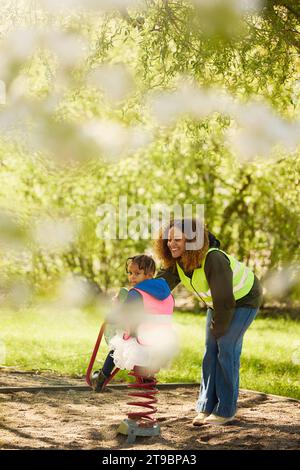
(45, 340)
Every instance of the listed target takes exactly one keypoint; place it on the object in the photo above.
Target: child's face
(136, 275)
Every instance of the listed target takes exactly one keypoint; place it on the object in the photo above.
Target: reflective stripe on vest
(243, 279)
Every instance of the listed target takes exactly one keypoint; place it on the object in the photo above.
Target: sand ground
(74, 419)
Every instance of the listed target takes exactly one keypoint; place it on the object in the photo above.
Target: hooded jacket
(161, 302)
(158, 288)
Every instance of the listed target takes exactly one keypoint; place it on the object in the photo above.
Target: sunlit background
(164, 102)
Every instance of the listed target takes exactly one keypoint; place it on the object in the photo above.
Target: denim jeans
(221, 364)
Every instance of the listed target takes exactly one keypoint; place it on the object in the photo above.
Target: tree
(98, 137)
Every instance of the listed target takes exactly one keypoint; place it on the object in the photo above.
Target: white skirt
(158, 351)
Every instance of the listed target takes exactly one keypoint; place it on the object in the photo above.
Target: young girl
(145, 338)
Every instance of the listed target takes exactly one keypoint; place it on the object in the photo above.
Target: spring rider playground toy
(138, 423)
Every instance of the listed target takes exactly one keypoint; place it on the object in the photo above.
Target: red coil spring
(148, 392)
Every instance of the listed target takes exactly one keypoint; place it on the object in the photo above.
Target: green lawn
(63, 342)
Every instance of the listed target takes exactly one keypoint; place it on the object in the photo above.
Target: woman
(232, 294)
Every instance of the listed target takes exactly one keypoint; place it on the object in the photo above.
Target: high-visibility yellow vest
(243, 279)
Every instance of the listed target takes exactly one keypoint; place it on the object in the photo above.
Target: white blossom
(114, 139)
(74, 291)
(279, 282)
(240, 6)
(56, 6)
(53, 234)
(114, 79)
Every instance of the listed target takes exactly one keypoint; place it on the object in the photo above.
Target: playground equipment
(139, 423)
(93, 358)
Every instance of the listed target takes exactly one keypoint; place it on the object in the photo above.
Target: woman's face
(176, 242)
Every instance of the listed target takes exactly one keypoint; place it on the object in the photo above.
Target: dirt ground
(75, 419)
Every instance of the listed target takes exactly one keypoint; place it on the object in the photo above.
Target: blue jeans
(221, 364)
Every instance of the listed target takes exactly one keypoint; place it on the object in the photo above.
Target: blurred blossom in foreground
(54, 234)
(74, 292)
(154, 331)
(240, 6)
(247, 144)
(62, 140)
(14, 119)
(70, 48)
(257, 128)
(113, 79)
(105, 5)
(279, 283)
(2, 92)
(18, 89)
(190, 100)
(260, 130)
(12, 235)
(20, 45)
(18, 295)
(115, 140)
(17, 47)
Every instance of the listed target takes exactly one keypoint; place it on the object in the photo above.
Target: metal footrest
(130, 428)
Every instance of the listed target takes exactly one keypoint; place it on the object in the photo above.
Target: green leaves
(90, 136)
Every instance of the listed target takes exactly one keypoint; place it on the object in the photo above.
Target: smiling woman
(232, 294)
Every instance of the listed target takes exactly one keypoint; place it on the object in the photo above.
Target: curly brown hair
(144, 262)
(190, 259)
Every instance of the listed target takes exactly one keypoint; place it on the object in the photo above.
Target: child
(146, 314)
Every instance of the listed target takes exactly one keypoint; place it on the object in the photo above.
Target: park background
(161, 102)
